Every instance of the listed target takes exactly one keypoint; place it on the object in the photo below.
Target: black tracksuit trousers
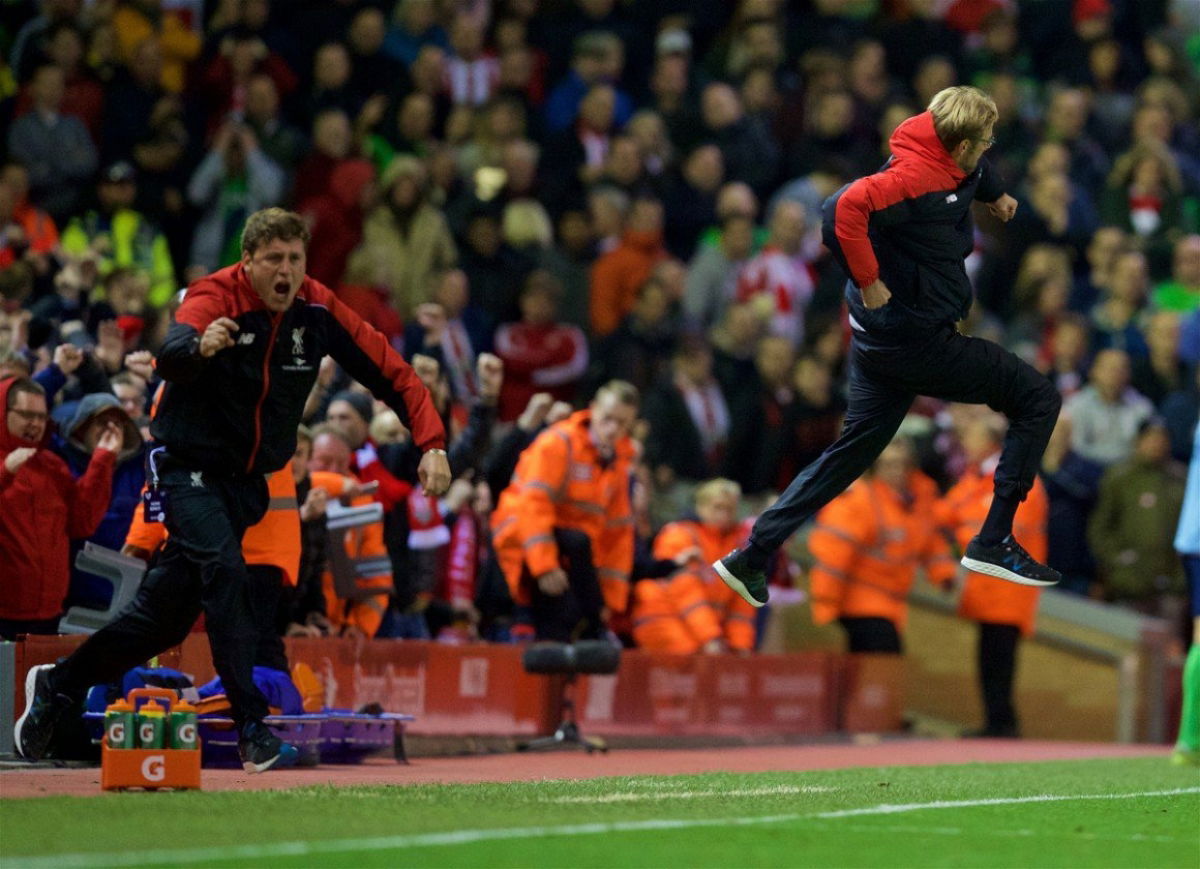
(576, 613)
(201, 568)
(884, 379)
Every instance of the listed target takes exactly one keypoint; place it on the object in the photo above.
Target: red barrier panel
(482, 689)
(676, 694)
(872, 693)
(471, 689)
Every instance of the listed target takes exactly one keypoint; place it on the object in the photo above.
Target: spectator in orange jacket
(868, 543)
(563, 530)
(1004, 610)
(619, 274)
(29, 232)
(330, 470)
(692, 609)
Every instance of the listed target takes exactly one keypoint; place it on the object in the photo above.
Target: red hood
(916, 140)
(8, 441)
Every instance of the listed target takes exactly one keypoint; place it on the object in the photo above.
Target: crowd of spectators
(531, 198)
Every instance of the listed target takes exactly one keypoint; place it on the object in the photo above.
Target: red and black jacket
(909, 224)
(237, 411)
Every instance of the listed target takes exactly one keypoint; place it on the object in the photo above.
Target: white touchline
(178, 856)
(651, 796)
(892, 809)
(381, 843)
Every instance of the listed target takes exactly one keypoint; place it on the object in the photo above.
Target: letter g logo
(154, 768)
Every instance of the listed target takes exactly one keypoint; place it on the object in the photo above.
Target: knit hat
(361, 403)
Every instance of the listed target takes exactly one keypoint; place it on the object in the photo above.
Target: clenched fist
(217, 336)
(553, 582)
(876, 295)
(434, 472)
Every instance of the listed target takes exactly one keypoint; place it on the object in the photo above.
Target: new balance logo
(198, 479)
(953, 197)
(246, 338)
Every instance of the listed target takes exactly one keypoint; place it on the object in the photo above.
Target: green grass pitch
(1128, 812)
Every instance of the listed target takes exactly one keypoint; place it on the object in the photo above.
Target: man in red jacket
(41, 508)
(901, 235)
(239, 362)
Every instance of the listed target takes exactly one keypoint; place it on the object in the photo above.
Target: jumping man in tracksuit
(239, 361)
(902, 235)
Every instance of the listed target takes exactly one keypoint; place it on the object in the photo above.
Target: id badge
(154, 505)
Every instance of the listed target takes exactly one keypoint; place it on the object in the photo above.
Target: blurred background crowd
(533, 197)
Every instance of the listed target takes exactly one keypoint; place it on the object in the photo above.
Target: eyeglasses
(30, 415)
(987, 143)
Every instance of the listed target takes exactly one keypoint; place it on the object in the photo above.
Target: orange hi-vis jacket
(693, 605)
(867, 545)
(560, 482)
(961, 512)
(366, 541)
(274, 541)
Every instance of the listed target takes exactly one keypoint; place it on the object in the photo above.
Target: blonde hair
(717, 488)
(961, 112)
(620, 391)
(526, 224)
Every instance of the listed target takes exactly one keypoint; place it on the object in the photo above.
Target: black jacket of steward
(910, 225)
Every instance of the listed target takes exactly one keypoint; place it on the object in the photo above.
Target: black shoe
(260, 749)
(738, 574)
(43, 707)
(1008, 560)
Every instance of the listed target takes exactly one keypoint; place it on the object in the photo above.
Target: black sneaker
(43, 708)
(260, 749)
(749, 582)
(1008, 560)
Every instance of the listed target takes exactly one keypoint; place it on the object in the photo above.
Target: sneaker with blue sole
(737, 573)
(261, 750)
(43, 707)
(1008, 560)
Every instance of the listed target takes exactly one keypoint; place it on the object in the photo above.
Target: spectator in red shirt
(41, 507)
(539, 353)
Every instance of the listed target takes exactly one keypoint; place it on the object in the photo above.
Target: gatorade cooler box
(150, 742)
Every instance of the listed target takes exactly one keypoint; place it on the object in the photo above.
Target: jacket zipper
(263, 396)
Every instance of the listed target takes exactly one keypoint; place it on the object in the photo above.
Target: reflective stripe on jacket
(868, 543)
(275, 540)
(560, 482)
(692, 606)
(365, 542)
(984, 598)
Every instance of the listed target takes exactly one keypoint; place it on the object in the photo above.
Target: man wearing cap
(239, 362)
(351, 413)
(120, 237)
